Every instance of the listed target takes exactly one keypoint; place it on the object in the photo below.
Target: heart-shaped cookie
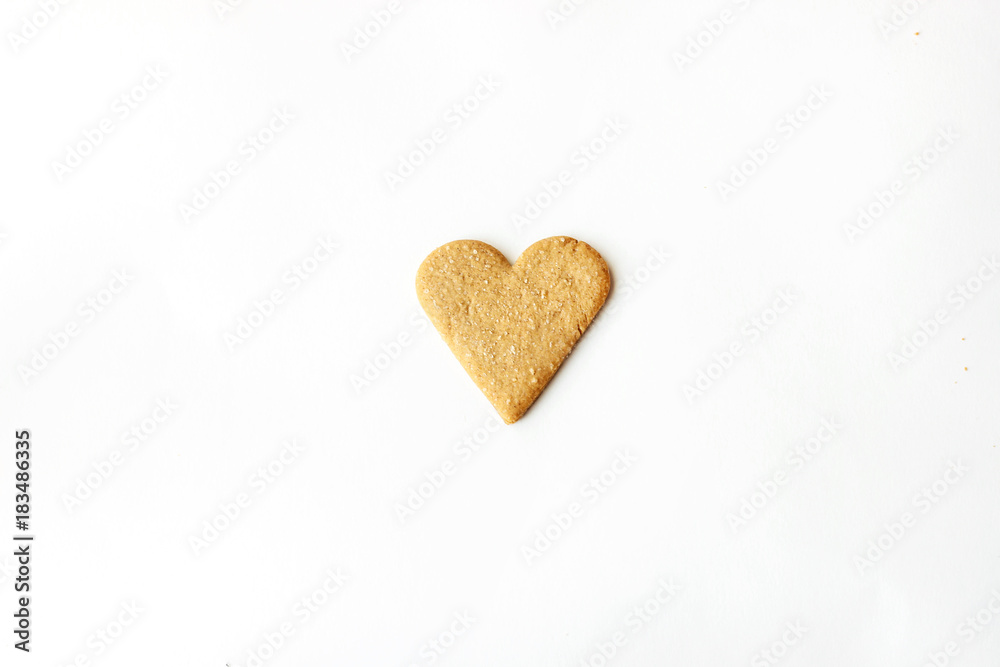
(511, 326)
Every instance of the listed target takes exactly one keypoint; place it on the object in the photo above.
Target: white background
(670, 515)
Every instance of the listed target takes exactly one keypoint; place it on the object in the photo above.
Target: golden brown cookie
(512, 326)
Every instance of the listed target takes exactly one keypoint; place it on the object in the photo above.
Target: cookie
(512, 326)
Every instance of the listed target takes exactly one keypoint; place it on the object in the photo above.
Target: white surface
(654, 189)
